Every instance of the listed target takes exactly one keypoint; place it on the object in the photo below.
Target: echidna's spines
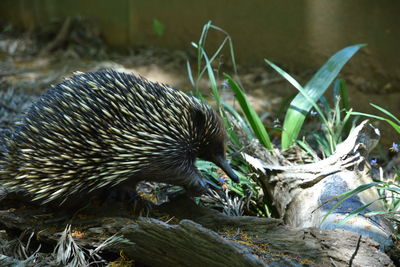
(99, 129)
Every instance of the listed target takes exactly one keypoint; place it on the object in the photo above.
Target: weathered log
(233, 241)
(301, 193)
(185, 244)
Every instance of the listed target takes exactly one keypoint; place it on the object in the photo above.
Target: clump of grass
(303, 102)
(310, 94)
(335, 120)
(339, 123)
(248, 190)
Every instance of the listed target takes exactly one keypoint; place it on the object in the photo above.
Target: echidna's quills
(99, 130)
(224, 165)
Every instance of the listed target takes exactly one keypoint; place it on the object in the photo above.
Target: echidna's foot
(141, 206)
(197, 188)
(124, 195)
(120, 195)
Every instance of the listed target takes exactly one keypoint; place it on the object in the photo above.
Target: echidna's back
(99, 129)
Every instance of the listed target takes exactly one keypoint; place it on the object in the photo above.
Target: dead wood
(208, 238)
(303, 194)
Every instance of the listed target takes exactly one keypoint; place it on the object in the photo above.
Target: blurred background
(47, 38)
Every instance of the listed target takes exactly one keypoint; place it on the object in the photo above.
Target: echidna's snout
(224, 165)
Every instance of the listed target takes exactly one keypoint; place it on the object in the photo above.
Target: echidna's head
(213, 145)
(216, 152)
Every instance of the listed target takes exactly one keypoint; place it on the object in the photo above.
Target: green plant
(158, 27)
(204, 68)
(338, 124)
(395, 122)
(304, 101)
(251, 115)
(309, 95)
(389, 191)
(389, 195)
(300, 106)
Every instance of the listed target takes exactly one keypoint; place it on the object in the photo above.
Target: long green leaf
(189, 71)
(343, 94)
(202, 41)
(211, 76)
(250, 113)
(344, 100)
(314, 89)
(386, 112)
(393, 124)
(302, 92)
(342, 197)
(357, 211)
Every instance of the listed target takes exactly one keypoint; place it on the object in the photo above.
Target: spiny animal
(105, 129)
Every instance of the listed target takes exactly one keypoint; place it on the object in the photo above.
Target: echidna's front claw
(197, 187)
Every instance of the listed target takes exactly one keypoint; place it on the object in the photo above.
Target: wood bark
(191, 235)
(303, 194)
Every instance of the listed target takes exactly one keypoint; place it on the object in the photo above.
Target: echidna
(98, 130)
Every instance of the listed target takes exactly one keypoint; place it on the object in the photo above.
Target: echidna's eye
(217, 150)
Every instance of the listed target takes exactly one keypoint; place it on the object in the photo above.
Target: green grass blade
(336, 102)
(213, 81)
(386, 112)
(190, 74)
(202, 41)
(343, 94)
(314, 89)
(214, 56)
(344, 100)
(211, 76)
(240, 120)
(377, 212)
(357, 211)
(323, 144)
(306, 147)
(344, 128)
(342, 197)
(250, 113)
(393, 124)
(285, 75)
